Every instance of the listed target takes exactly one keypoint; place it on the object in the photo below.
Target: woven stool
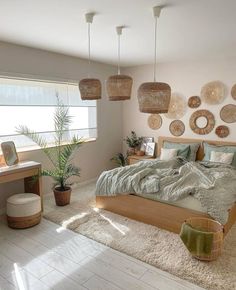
(23, 210)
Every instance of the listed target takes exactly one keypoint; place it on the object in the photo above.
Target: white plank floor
(49, 257)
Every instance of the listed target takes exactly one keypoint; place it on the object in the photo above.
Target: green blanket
(199, 243)
(213, 184)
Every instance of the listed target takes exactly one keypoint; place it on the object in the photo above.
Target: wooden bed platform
(162, 215)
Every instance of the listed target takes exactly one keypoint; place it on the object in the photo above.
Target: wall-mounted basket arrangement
(177, 128)
(213, 93)
(210, 122)
(228, 113)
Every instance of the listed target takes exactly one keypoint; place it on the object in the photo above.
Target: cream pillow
(167, 154)
(222, 157)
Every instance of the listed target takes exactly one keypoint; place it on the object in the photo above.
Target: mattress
(188, 202)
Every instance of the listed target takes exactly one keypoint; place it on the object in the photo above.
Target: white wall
(186, 79)
(93, 157)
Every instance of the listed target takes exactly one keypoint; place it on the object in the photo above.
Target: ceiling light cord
(89, 50)
(155, 51)
(118, 54)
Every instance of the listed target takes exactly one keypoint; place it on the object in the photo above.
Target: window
(32, 103)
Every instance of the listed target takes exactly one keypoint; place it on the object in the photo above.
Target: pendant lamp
(119, 86)
(90, 88)
(154, 97)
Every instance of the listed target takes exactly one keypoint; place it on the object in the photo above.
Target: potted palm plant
(60, 154)
(119, 159)
(133, 142)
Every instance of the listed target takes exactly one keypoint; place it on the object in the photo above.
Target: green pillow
(183, 149)
(192, 151)
(226, 149)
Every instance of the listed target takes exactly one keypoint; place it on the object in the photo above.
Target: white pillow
(222, 157)
(167, 154)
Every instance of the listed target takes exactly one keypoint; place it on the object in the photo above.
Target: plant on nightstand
(60, 155)
(133, 141)
(120, 159)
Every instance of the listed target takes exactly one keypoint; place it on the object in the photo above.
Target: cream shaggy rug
(154, 246)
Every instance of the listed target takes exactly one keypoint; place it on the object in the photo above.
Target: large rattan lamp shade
(119, 86)
(90, 88)
(154, 97)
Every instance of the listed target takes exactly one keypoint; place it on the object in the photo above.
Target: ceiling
(187, 29)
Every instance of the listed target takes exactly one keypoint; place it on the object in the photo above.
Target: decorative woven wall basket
(213, 93)
(222, 131)
(154, 121)
(209, 118)
(228, 113)
(233, 92)
(177, 107)
(177, 128)
(154, 97)
(194, 102)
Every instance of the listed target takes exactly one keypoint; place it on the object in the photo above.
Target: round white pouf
(23, 210)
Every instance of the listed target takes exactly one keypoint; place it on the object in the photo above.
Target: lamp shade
(119, 87)
(154, 97)
(90, 89)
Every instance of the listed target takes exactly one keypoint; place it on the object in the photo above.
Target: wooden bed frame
(162, 215)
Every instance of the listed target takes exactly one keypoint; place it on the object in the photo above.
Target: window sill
(36, 148)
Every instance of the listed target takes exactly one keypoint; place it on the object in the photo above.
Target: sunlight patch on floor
(121, 228)
(17, 277)
(74, 218)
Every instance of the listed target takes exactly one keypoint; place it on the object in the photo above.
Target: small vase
(62, 197)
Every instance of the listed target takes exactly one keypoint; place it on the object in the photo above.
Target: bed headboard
(200, 152)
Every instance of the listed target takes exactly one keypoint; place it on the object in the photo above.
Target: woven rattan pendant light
(154, 97)
(119, 86)
(90, 88)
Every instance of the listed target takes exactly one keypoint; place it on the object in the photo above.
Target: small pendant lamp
(90, 88)
(119, 86)
(154, 97)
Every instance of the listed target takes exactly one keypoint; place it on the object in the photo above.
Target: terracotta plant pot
(62, 197)
(140, 153)
(131, 151)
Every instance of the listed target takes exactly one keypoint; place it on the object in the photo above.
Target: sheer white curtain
(32, 103)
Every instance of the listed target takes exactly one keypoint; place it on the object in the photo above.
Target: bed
(158, 213)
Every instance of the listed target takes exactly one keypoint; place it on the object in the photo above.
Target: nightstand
(132, 159)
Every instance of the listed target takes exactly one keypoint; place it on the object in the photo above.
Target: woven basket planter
(62, 197)
(209, 225)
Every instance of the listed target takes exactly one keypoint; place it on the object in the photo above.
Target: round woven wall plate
(177, 128)
(233, 92)
(228, 113)
(213, 93)
(222, 131)
(194, 102)
(177, 107)
(210, 122)
(154, 121)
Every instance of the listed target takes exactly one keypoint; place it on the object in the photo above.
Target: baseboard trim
(76, 185)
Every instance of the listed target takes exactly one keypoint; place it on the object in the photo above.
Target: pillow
(184, 150)
(226, 149)
(222, 157)
(167, 154)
